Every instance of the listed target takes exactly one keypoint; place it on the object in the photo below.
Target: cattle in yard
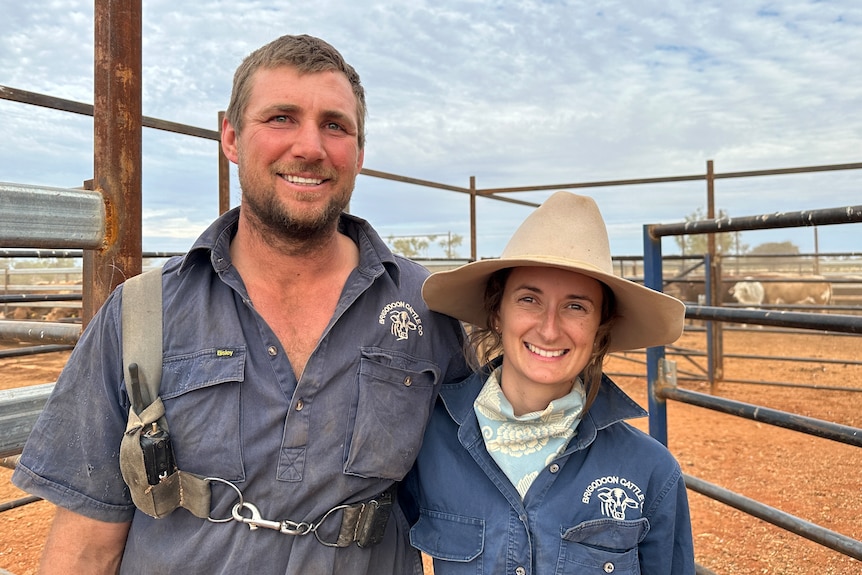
(778, 289)
(748, 292)
(22, 313)
(798, 292)
(695, 291)
(58, 314)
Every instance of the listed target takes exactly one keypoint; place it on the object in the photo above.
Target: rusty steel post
(223, 173)
(715, 290)
(117, 148)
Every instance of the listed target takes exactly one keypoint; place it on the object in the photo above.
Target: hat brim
(645, 317)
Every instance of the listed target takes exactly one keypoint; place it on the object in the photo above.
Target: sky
(511, 92)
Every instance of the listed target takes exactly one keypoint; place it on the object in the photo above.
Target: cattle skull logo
(615, 501)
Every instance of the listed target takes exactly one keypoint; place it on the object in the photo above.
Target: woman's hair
(486, 343)
(307, 55)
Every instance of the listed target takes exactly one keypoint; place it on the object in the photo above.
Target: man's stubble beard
(275, 221)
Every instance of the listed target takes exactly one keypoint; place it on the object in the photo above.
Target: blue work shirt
(349, 428)
(613, 502)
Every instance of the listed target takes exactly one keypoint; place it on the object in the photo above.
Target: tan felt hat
(567, 232)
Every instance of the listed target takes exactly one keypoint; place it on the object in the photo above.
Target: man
(300, 362)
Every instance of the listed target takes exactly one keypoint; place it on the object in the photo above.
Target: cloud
(515, 93)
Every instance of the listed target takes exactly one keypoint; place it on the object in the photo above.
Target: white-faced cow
(748, 292)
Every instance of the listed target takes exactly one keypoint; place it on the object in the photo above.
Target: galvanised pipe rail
(19, 409)
(40, 332)
(33, 350)
(806, 529)
(15, 503)
(36, 217)
(26, 298)
(831, 322)
(795, 422)
(825, 217)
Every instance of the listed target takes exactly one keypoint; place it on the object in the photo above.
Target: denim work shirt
(349, 428)
(613, 502)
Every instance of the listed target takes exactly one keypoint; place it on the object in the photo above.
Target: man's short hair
(307, 55)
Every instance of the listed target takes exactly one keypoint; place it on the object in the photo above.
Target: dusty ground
(815, 479)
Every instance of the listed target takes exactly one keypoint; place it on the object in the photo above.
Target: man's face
(298, 154)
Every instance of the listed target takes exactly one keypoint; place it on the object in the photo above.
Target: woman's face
(548, 320)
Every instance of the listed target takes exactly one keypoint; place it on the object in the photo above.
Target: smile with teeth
(301, 181)
(544, 352)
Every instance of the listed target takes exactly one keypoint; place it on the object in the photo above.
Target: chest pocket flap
(201, 393)
(448, 537)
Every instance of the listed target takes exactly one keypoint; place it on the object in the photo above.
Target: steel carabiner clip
(256, 521)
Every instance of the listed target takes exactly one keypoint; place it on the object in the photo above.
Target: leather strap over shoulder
(142, 345)
(142, 332)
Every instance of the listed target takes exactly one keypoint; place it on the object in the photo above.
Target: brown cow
(22, 313)
(815, 291)
(692, 291)
(58, 314)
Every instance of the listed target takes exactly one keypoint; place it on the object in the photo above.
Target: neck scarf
(522, 445)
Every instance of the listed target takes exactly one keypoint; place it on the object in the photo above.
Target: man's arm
(78, 544)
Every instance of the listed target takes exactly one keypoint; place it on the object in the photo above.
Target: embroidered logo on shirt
(615, 494)
(403, 319)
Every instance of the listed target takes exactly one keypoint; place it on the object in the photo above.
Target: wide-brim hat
(567, 232)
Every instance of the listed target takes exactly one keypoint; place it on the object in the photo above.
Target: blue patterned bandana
(522, 445)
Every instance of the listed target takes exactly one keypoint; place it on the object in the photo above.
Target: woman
(527, 467)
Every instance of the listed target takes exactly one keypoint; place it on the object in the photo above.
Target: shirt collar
(374, 255)
(611, 405)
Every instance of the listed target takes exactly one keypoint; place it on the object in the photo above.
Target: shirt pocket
(395, 392)
(201, 393)
(457, 539)
(603, 546)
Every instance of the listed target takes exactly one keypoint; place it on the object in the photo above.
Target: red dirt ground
(815, 479)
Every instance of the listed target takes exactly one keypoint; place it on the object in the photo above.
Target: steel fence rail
(40, 332)
(809, 425)
(15, 503)
(35, 217)
(19, 409)
(831, 322)
(63, 105)
(33, 350)
(824, 217)
(30, 298)
(806, 529)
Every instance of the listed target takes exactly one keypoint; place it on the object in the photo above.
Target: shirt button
(408, 381)
(554, 468)
(272, 350)
(520, 571)
(299, 404)
(608, 567)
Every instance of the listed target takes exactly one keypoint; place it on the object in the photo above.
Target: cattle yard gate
(101, 223)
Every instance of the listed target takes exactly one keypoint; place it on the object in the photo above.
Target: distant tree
(775, 248)
(449, 242)
(725, 242)
(416, 246)
(409, 247)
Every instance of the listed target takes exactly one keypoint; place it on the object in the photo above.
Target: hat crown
(566, 229)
